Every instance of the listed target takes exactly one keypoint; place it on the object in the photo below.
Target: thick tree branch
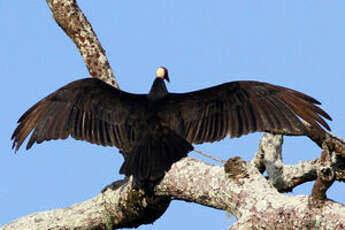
(283, 177)
(232, 191)
(227, 188)
(119, 206)
(194, 181)
(286, 177)
(72, 20)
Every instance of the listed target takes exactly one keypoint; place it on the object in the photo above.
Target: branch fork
(238, 187)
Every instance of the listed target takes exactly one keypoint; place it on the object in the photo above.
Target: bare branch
(286, 177)
(114, 208)
(227, 188)
(320, 136)
(194, 181)
(325, 178)
(72, 20)
(283, 177)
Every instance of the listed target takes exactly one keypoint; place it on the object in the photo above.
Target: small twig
(209, 156)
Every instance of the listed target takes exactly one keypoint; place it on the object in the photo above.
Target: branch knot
(236, 168)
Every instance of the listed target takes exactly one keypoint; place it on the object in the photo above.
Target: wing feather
(243, 107)
(87, 109)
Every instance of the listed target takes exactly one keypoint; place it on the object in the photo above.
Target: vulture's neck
(158, 89)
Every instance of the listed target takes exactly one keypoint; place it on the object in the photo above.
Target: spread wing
(243, 107)
(87, 109)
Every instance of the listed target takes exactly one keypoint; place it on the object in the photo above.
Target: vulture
(157, 129)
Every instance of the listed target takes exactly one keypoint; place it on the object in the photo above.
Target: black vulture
(155, 130)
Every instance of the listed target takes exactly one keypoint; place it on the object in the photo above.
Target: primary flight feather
(155, 130)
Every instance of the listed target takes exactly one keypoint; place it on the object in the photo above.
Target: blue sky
(298, 44)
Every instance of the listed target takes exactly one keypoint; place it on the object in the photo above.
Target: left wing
(242, 107)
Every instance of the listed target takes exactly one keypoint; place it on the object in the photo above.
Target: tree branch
(286, 177)
(227, 188)
(119, 206)
(194, 181)
(72, 20)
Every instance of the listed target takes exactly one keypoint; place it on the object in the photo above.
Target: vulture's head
(162, 72)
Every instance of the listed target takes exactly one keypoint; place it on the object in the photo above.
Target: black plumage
(157, 129)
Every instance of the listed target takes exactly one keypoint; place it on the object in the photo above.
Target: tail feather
(151, 158)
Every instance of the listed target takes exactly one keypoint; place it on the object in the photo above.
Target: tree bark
(229, 187)
(71, 19)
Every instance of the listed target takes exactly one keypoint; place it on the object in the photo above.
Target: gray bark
(229, 187)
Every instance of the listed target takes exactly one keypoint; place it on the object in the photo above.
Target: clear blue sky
(298, 44)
